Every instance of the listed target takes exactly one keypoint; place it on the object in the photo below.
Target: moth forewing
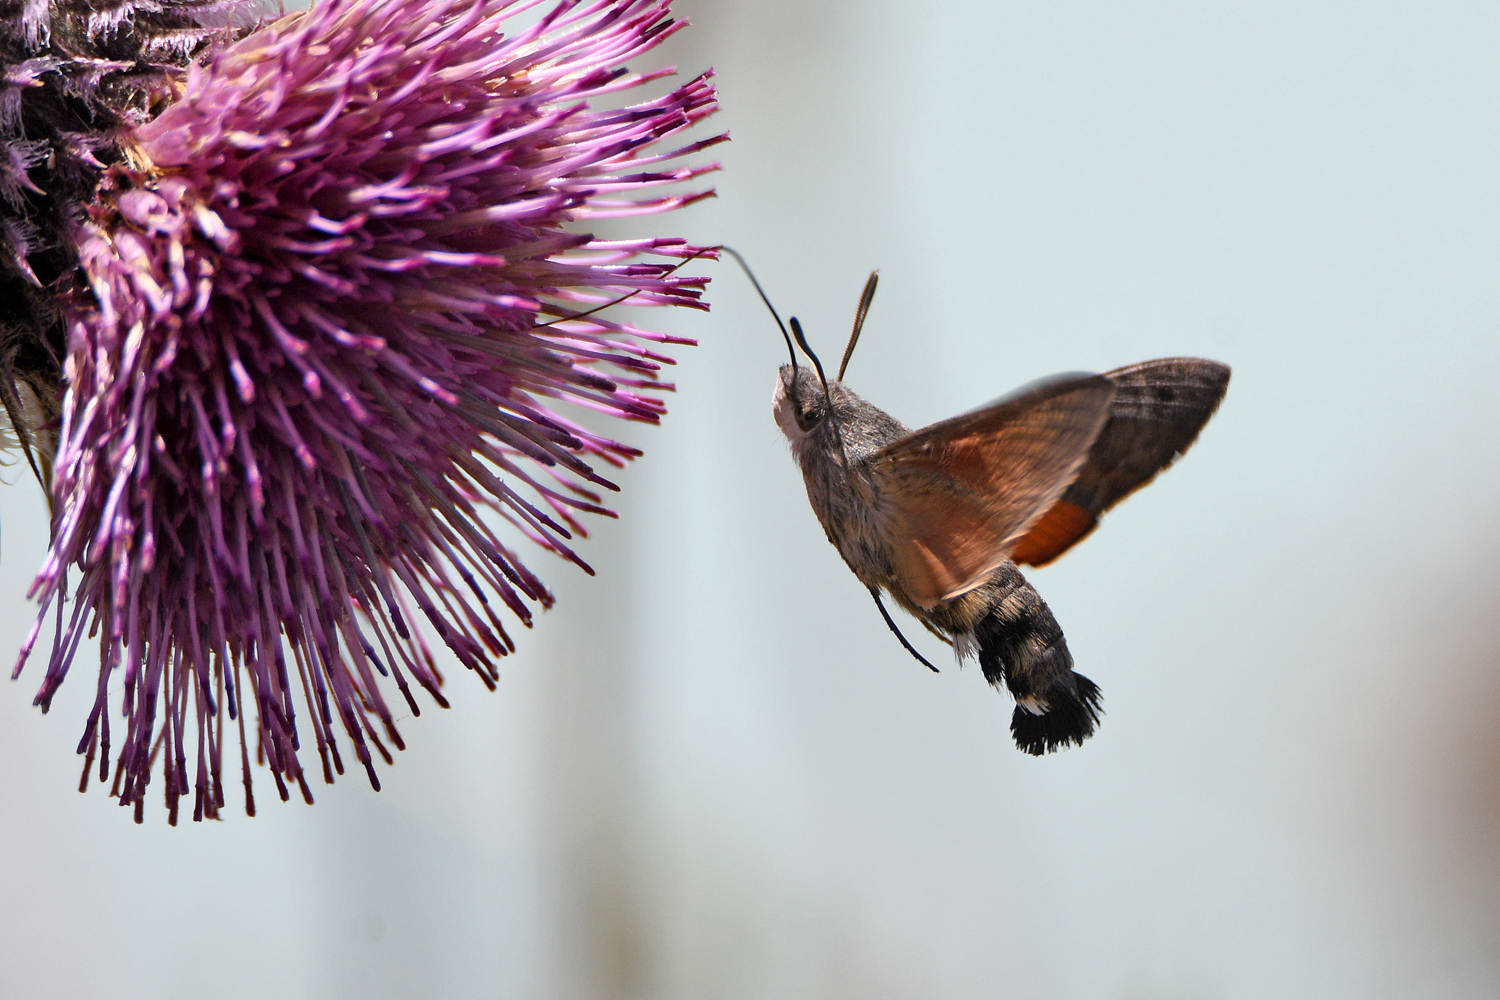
(961, 492)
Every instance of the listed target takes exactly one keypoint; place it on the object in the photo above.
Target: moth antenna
(859, 320)
(766, 299)
(887, 616)
(838, 435)
(630, 295)
(817, 365)
(827, 393)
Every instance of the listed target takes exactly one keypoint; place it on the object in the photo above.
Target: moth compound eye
(807, 420)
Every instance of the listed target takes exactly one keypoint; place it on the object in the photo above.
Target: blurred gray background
(712, 773)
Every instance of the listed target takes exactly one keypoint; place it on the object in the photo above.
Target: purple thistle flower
(334, 295)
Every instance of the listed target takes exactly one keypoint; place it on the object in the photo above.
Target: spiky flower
(336, 291)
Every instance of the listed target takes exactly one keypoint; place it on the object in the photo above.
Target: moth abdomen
(1021, 647)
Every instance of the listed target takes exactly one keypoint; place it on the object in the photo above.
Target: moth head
(802, 403)
(799, 403)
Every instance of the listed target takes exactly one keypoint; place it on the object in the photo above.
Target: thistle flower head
(336, 294)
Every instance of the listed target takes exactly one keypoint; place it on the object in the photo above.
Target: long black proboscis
(888, 620)
(702, 252)
(766, 299)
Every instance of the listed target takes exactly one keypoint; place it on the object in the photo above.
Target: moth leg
(887, 616)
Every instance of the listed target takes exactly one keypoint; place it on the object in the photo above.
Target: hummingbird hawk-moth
(942, 517)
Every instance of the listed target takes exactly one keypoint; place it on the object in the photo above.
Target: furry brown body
(932, 517)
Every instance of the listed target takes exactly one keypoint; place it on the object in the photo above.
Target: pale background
(713, 774)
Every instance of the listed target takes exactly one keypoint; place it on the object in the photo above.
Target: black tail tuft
(1072, 713)
(1021, 648)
